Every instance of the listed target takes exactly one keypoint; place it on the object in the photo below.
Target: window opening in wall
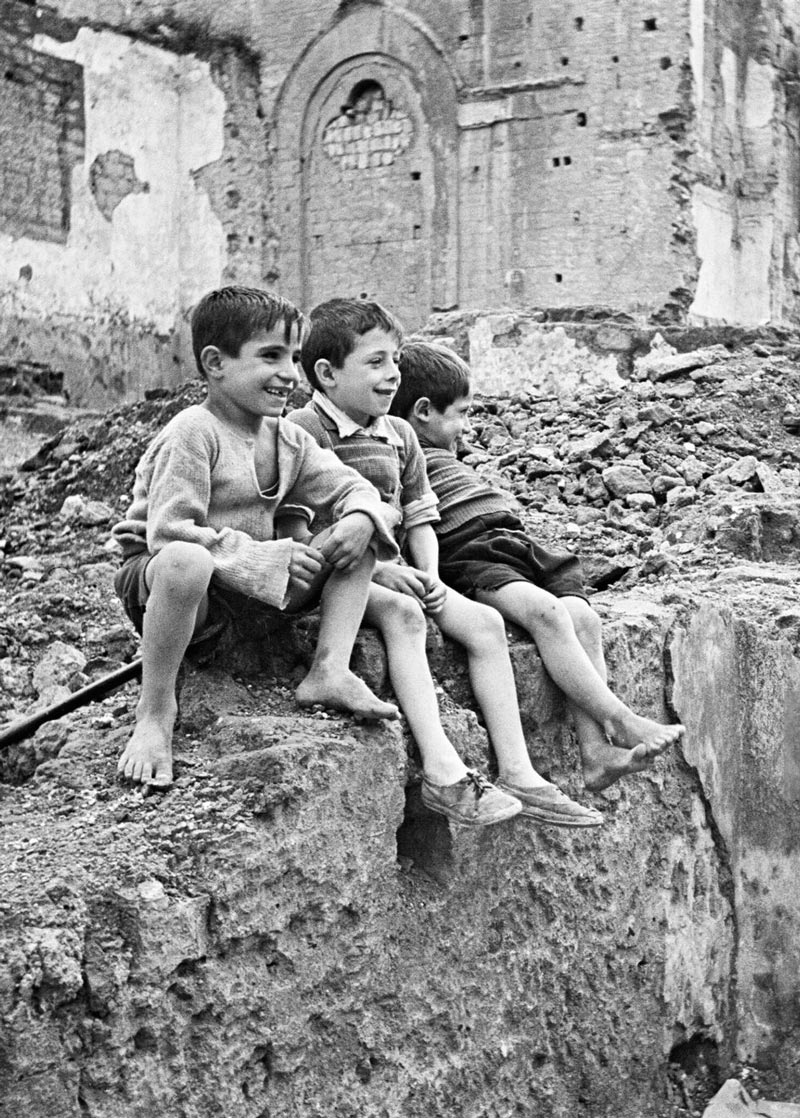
(650, 24)
(615, 58)
(556, 161)
(475, 169)
(370, 130)
(416, 175)
(463, 38)
(567, 160)
(579, 23)
(665, 63)
(565, 61)
(559, 277)
(580, 120)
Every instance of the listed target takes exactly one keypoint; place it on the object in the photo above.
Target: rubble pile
(645, 482)
(287, 922)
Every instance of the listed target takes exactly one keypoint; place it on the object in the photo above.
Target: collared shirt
(386, 452)
(379, 428)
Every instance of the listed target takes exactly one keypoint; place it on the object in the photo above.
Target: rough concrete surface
(288, 932)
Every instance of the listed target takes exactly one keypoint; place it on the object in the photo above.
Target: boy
(350, 359)
(485, 553)
(199, 541)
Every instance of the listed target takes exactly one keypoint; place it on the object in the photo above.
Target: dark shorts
(493, 551)
(224, 605)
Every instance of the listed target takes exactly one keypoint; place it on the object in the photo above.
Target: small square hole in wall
(559, 277)
(556, 161)
(567, 160)
(665, 63)
(579, 23)
(416, 175)
(564, 61)
(650, 24)
(580, 120)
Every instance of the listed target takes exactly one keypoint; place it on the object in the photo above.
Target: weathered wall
(157, 202)
(746, 70)
(437, 155)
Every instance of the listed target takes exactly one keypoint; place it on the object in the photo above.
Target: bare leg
(401, 623)
(482, 632)
(549, 623)
(329, 681)
(603, 762)
(178, 578)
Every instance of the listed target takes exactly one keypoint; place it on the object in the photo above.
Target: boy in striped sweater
(350, 358)
(485, 553)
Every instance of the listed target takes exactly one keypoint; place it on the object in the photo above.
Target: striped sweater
(462, 493)
(387, 453)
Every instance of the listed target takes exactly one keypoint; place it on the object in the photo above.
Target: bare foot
(343, 691)
(604, 763)
(629, 730)
(148, 756)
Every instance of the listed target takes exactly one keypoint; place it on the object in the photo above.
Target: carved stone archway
(366, 173)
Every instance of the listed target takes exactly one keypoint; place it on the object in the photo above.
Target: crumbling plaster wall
(161, 203)
(745, 200)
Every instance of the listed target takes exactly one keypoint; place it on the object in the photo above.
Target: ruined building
(439, 154)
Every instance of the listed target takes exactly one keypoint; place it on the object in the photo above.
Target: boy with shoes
(200, 540)
(350, 359)
(486, 554)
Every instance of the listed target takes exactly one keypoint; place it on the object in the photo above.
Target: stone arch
(366, 168)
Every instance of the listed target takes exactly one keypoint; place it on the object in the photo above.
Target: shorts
(224, 605)
(493, 551)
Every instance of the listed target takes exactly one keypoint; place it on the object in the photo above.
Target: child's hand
(434, 597)
(305, 564)
(347, 540)
(429, 591)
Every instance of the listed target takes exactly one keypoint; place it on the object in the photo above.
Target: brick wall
(41, 139)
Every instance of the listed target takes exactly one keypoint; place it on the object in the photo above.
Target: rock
(733, 1101)
(621, 480)
(742, 470)
(660, 367)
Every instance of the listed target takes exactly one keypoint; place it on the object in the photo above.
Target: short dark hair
(231, 316)
(432, 370)
(335, 327)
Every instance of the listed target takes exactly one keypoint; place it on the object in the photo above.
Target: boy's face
(364, 387)
(444, 428)
(257, 383)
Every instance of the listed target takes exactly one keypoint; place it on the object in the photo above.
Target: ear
(211, 360)
(421, 410)
(325, 372)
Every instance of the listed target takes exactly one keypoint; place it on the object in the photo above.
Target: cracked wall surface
(524, 156)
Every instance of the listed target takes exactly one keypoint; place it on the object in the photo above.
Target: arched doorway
(366, 171)
(367, 191)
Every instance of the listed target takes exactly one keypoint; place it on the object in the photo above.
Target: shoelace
(478, 782)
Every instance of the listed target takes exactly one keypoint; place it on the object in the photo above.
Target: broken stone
(733, 1101)
(742, 470)
(662, 367)
(621, 480)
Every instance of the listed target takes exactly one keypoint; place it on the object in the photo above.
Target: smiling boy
(350, 358)
(201, 540)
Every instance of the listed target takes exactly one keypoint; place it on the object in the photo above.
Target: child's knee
(406, 615)
(487, 626)
(185, 568)
(586, 621)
